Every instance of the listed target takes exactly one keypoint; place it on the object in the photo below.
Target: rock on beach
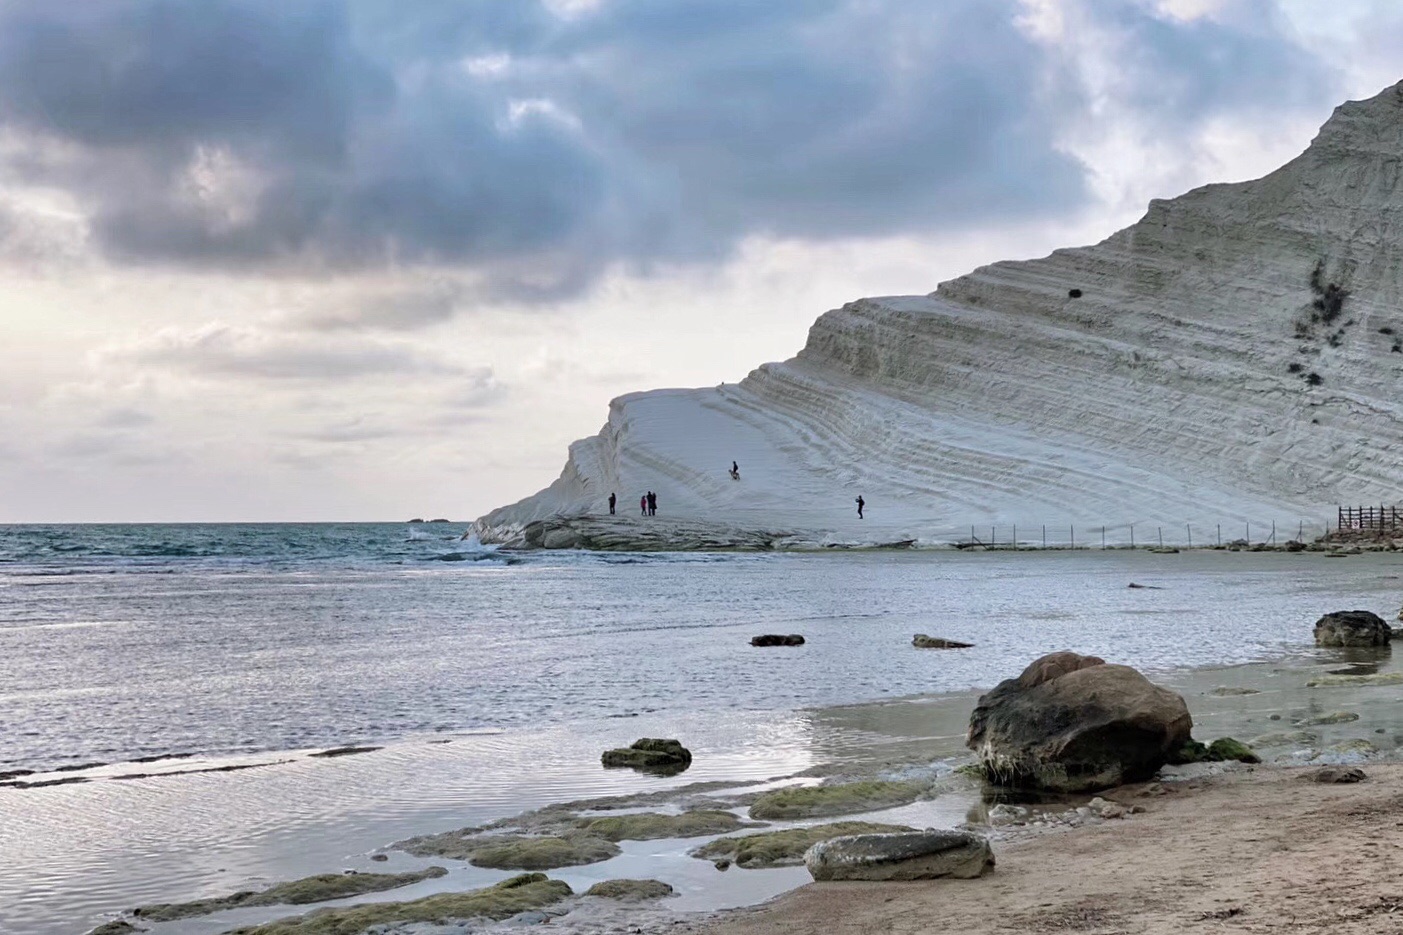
(916, 855)
(921, 641)
(1072, 723)
(650, 753)
(777, 639)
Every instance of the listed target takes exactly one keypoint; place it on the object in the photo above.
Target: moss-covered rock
(649, 826)
(514, 851)
(1225, 748)
(631, 890)
(651, 754)
(1229, 691)
(1191, 752)
(1357, 745)
(1336, 717)
(506, 899)
(843, 799)
(115, 927)
(784, 848)
(315, 889)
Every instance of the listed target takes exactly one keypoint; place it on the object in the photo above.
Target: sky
(372, 260)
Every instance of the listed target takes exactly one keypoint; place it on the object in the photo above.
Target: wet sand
(1258, 850)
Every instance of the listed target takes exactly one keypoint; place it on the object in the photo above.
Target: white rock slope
(1234, 356)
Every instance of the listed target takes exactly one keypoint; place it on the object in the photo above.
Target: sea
(164, 688)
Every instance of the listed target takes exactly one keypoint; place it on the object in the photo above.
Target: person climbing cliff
(612, 501)
(860, 504)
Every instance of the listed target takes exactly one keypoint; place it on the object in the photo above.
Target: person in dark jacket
(652, 504)
(860, 504)
(612, 501)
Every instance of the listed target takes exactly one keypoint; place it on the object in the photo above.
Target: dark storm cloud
(533, 146)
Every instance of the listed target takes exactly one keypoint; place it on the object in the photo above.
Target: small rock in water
(921, 641)
(651, 754)
(1224, 692)
(1352, 628)
(722, 864)
(379, 857)
(1338, 774)
(777, 639)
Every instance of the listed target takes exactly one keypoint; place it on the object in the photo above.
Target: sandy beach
(1263, 849)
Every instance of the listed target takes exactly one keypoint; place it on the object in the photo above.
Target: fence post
(1160, 530)
(1301, 531)
(1015, 537)
(1103, 538)
(1273, 532)
(1044, 535)
(1190, 528)
(1132, 535)
(992, 537)
(972, 540)
(1220, 534)
(1249, 532)
(1073, 531)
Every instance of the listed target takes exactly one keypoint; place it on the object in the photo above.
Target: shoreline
(1263, 846)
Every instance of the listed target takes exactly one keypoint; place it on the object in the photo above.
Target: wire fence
(1190, 535)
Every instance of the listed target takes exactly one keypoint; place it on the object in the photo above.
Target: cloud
(535, 144)
(217, 350)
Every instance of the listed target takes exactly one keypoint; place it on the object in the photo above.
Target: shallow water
(237, 644)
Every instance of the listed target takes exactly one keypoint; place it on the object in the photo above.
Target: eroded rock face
(1072, 723)
(1352, 628)
(916, 855)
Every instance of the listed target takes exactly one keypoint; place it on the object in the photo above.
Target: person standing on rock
(643, 504)
(860, 504)
(612, 501)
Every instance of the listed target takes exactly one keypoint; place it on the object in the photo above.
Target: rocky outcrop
(916, 855)
(631, 890)
(921, 641)
(783, 848)
(1352, 628)
(777, 639)
(650, 754)
(1337, 774)
(1233, 355)
(1073, 723)
(800, 802)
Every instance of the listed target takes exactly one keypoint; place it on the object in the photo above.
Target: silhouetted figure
(652, 504)
(860, 504)
(643, 504)
(612, 501)
(735, 471)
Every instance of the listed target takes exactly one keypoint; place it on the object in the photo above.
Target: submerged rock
(313, 889)
(1337, 774)
(777, 639)
(1226, 692)
(916, 855)
(1299, 738)
(116, 927)
(783, 848)
(921, 641)
(1336, 717)
(652, 754)
(1344, 681)
(513, 851)
(1072, 723)
(1352, 628)
(631, 890)
(523, 893)
(649, 826)
(800, 802)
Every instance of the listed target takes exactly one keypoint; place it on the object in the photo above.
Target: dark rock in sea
(1352, 628)
(1337, 774)
(921, 641)
(15, 774)
(915, 855)
(439, 520)
(722, 864)
(1072, 723)
(417, 519)
(650, 754)
(777, 639)
(1295, 545)
(116, 927)
(342, 751)
(379, 858)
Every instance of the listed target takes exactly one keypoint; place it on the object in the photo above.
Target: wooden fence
(1369, 517)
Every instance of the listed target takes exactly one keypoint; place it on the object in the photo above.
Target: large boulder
(1072, 723)
(914, 855)
(1352, 628)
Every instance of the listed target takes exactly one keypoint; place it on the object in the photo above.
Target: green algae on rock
(115, 927)
(513, 851)
(784, 848)
(1337, 717)
(843, 799)
(314, 889)
(1281, 739)
(649, 826)
(1345, 681)
(1226, 748)
(650, 753)
(631, 890)
(519, 894)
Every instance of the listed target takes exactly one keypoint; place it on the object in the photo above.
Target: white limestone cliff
(1236, 355)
